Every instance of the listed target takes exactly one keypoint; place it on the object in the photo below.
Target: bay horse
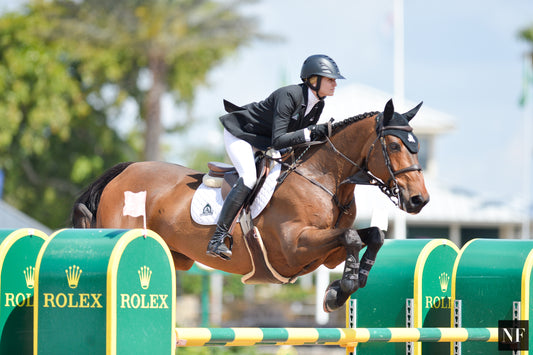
(308, 221)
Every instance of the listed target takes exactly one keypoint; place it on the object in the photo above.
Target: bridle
(363, 176)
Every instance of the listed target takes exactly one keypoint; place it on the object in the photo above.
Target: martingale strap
(343, 208)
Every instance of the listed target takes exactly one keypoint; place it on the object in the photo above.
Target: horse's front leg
(373, 237)
(340, 290)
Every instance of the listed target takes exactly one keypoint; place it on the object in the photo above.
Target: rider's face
(327, 87)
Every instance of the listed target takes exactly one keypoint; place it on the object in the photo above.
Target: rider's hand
(319, 131)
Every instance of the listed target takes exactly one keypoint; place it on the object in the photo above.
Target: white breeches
(241, 154)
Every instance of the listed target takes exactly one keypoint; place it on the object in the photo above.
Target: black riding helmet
(319, 65)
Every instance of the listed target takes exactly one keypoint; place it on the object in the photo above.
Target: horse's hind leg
(340, 290)
(373, 237)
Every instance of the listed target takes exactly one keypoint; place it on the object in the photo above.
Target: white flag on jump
(134, 204)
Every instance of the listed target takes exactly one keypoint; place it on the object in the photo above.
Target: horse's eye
(395, 147)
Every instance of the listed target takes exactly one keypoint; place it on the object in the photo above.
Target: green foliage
(189, 283)
(233, 285)
(527, 76)
(66, 69)
(192, 284)
(176, 41)
(200, 157)
(52, 141)
(527, 34)
(294, 292)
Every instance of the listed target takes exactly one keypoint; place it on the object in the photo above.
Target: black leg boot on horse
(232, 205)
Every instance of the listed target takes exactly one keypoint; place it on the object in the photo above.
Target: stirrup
(217, 247)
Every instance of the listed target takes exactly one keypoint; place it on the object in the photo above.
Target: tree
(175, 42)
(66, 69)
(52, 141)
(527, 35)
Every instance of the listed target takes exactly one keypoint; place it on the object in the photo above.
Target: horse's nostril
(415, 203)
(416, 200)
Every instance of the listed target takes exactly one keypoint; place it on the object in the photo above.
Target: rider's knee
(249, 180)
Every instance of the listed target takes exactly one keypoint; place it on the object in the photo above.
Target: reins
(363, 176)
(293, 168)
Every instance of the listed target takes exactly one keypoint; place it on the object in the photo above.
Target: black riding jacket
(276, 122)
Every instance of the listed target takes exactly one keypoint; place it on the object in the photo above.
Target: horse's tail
(84, 209)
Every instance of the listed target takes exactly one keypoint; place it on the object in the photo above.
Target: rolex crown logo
(73, 275)
(144, 276)
(29, 276)
(444, 279)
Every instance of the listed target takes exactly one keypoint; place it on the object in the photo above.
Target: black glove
(319, 131)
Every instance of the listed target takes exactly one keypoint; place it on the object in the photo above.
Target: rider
(286, 118)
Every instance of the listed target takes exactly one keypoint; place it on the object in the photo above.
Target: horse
(309, 219)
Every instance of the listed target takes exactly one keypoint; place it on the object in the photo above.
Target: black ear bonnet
(397, 124)
(399, 127)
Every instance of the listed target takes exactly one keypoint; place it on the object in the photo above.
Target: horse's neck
(347, 152)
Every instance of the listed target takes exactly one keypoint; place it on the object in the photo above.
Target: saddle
(224, 176)
(221, 175)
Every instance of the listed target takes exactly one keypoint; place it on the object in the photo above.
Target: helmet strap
(315, 87)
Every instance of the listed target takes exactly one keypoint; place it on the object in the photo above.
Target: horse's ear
(411, 113)
(388, 112)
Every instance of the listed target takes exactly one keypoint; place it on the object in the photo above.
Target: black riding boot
(231, 207)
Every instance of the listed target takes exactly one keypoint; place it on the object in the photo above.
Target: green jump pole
(327, 336)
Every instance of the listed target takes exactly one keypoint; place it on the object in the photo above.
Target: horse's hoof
(330, 298)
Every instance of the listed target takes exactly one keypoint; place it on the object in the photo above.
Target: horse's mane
(337, 126)
(340, 125)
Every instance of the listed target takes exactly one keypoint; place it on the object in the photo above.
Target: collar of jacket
(305, 90)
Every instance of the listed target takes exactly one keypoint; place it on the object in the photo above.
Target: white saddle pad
(207, 201)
